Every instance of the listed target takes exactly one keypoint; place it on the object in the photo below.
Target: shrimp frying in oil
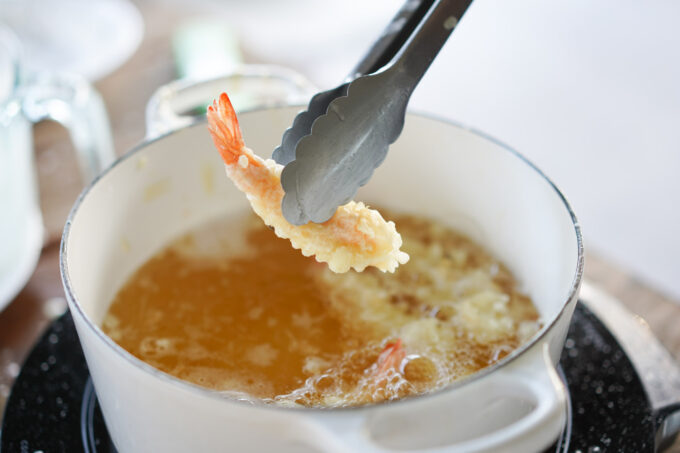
(355, 237)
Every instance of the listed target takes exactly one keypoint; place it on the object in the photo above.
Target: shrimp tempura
(355, 237)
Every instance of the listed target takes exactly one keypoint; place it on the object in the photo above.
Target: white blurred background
(588, 90)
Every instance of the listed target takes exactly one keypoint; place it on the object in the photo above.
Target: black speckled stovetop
(53, 408)
(46, 411)
(610, 411)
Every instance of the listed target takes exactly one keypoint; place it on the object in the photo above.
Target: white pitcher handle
(516, 408)
(250, 87)
(71, 101)
(66, 99)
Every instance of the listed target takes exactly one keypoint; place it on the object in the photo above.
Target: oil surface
(234, 308)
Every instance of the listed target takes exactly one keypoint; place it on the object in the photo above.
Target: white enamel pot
(173, 183)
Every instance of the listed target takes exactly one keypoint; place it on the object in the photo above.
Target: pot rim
(74, 304)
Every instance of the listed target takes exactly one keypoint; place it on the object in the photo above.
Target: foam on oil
(234, 308)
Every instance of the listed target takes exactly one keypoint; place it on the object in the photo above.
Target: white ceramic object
(27, 98)
(173, 105)
(88, 38)
(462, 178)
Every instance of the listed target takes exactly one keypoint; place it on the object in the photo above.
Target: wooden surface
(125, 93)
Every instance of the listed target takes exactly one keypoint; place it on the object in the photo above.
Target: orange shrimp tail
(225, 131)
(390, 357)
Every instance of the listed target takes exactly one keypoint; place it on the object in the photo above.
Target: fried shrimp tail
(355, 237)
(390, 358)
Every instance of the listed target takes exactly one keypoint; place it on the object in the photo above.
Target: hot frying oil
(233, 308)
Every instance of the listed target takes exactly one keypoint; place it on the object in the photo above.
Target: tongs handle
(417, 55)
(393, 38)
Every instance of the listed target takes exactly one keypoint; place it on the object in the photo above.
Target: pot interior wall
(462, 179)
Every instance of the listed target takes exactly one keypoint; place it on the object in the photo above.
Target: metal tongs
(334, 146)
